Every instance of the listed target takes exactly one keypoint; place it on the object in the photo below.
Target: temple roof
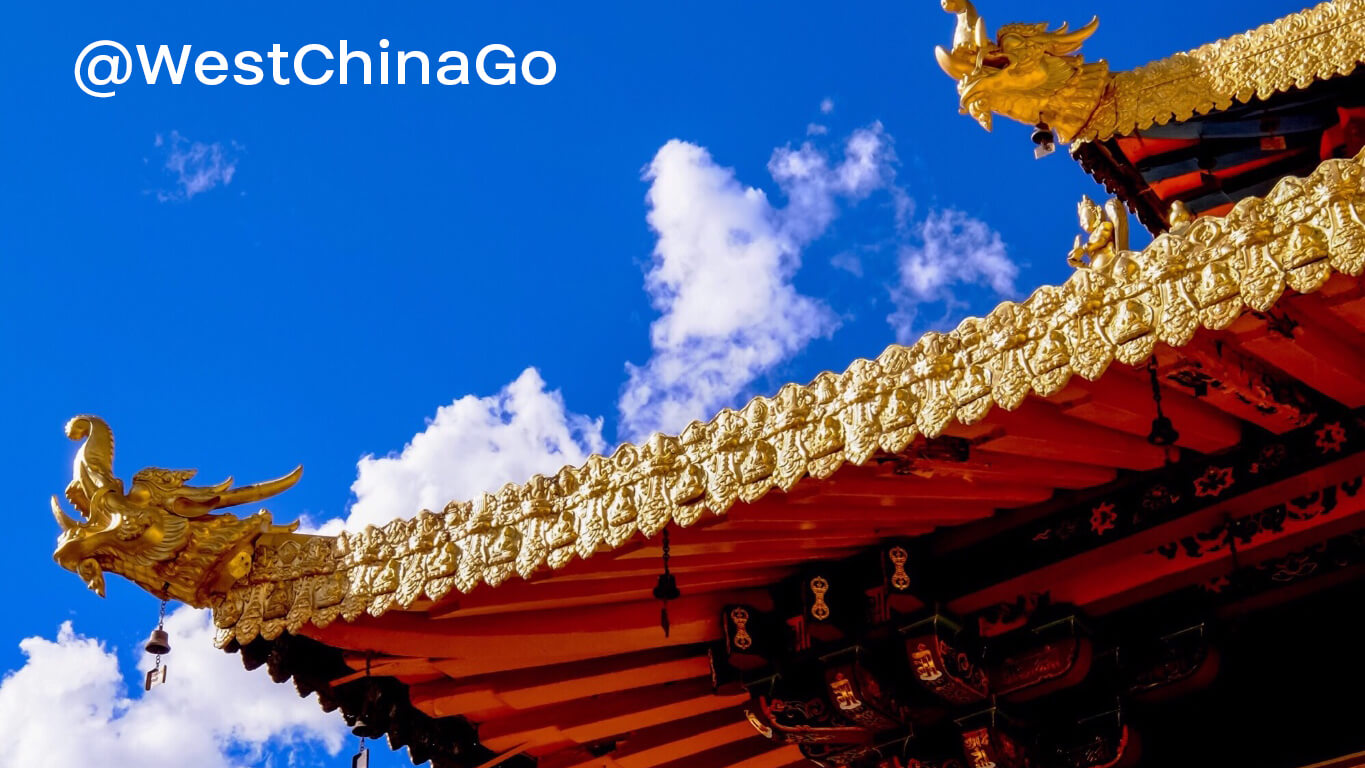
(1014, 430)
(1292, 52)
(1201, 275)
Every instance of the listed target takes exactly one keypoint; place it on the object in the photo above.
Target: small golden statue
(1180, 216)
(161, 534)
(1027, 73)
(1106, 234)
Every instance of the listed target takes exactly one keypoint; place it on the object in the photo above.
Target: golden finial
(1180, 216)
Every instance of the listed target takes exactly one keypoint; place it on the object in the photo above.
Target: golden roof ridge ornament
(161, 534)
(1201, 275)
(1027, 73)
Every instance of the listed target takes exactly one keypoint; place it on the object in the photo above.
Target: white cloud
(473, 445)
(722, 270)
(196, 167)
(955, 250)
(826, 106)
(848, 261)
(816, 129)
(69, 707)
(721, 279)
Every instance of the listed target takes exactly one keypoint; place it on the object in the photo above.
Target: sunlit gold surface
(1033, 75)
(262, 579)
(1293, 52)
(1027, 73)
(162, 534)
(1202, 275)
(1105, 238)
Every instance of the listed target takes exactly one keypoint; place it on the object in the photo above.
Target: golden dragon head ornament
(1028, 72)
(159, 532)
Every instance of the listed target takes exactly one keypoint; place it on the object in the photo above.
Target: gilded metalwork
(262, 580)
(162, 534)
(1201, 275)
(1036, 76)
(899, 578)
(1028, 73)
(1106, 235)
(819, 587)
(1322, 42)
(743, 640)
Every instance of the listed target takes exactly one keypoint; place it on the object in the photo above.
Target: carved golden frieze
(1036, 76)
(1293, 52)
(1201, 274)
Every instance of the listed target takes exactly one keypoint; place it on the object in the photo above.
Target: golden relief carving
(1202, 274)
(1035, 76)
(1293, 52)
(162, 534)
(1027, 73)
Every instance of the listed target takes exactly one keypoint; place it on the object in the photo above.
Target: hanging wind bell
(666, 589)
(158, 644)
(362, 755)
(1163, 432)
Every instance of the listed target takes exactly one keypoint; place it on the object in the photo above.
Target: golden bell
(158, 643)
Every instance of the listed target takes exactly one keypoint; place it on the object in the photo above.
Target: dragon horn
(954, 66)
(250, 493)
(67, 523)
(96, 431)
(1073, 39)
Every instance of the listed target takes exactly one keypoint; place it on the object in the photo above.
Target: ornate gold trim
(1028, 72)
(162, 534)
(1293, 52)
(1203, 274)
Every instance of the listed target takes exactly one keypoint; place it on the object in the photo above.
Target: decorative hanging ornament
(666, 589)
(158, 644)
(1044, 141)
(1163, 431)
(362, 755)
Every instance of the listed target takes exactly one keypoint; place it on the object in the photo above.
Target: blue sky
(241, 279)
